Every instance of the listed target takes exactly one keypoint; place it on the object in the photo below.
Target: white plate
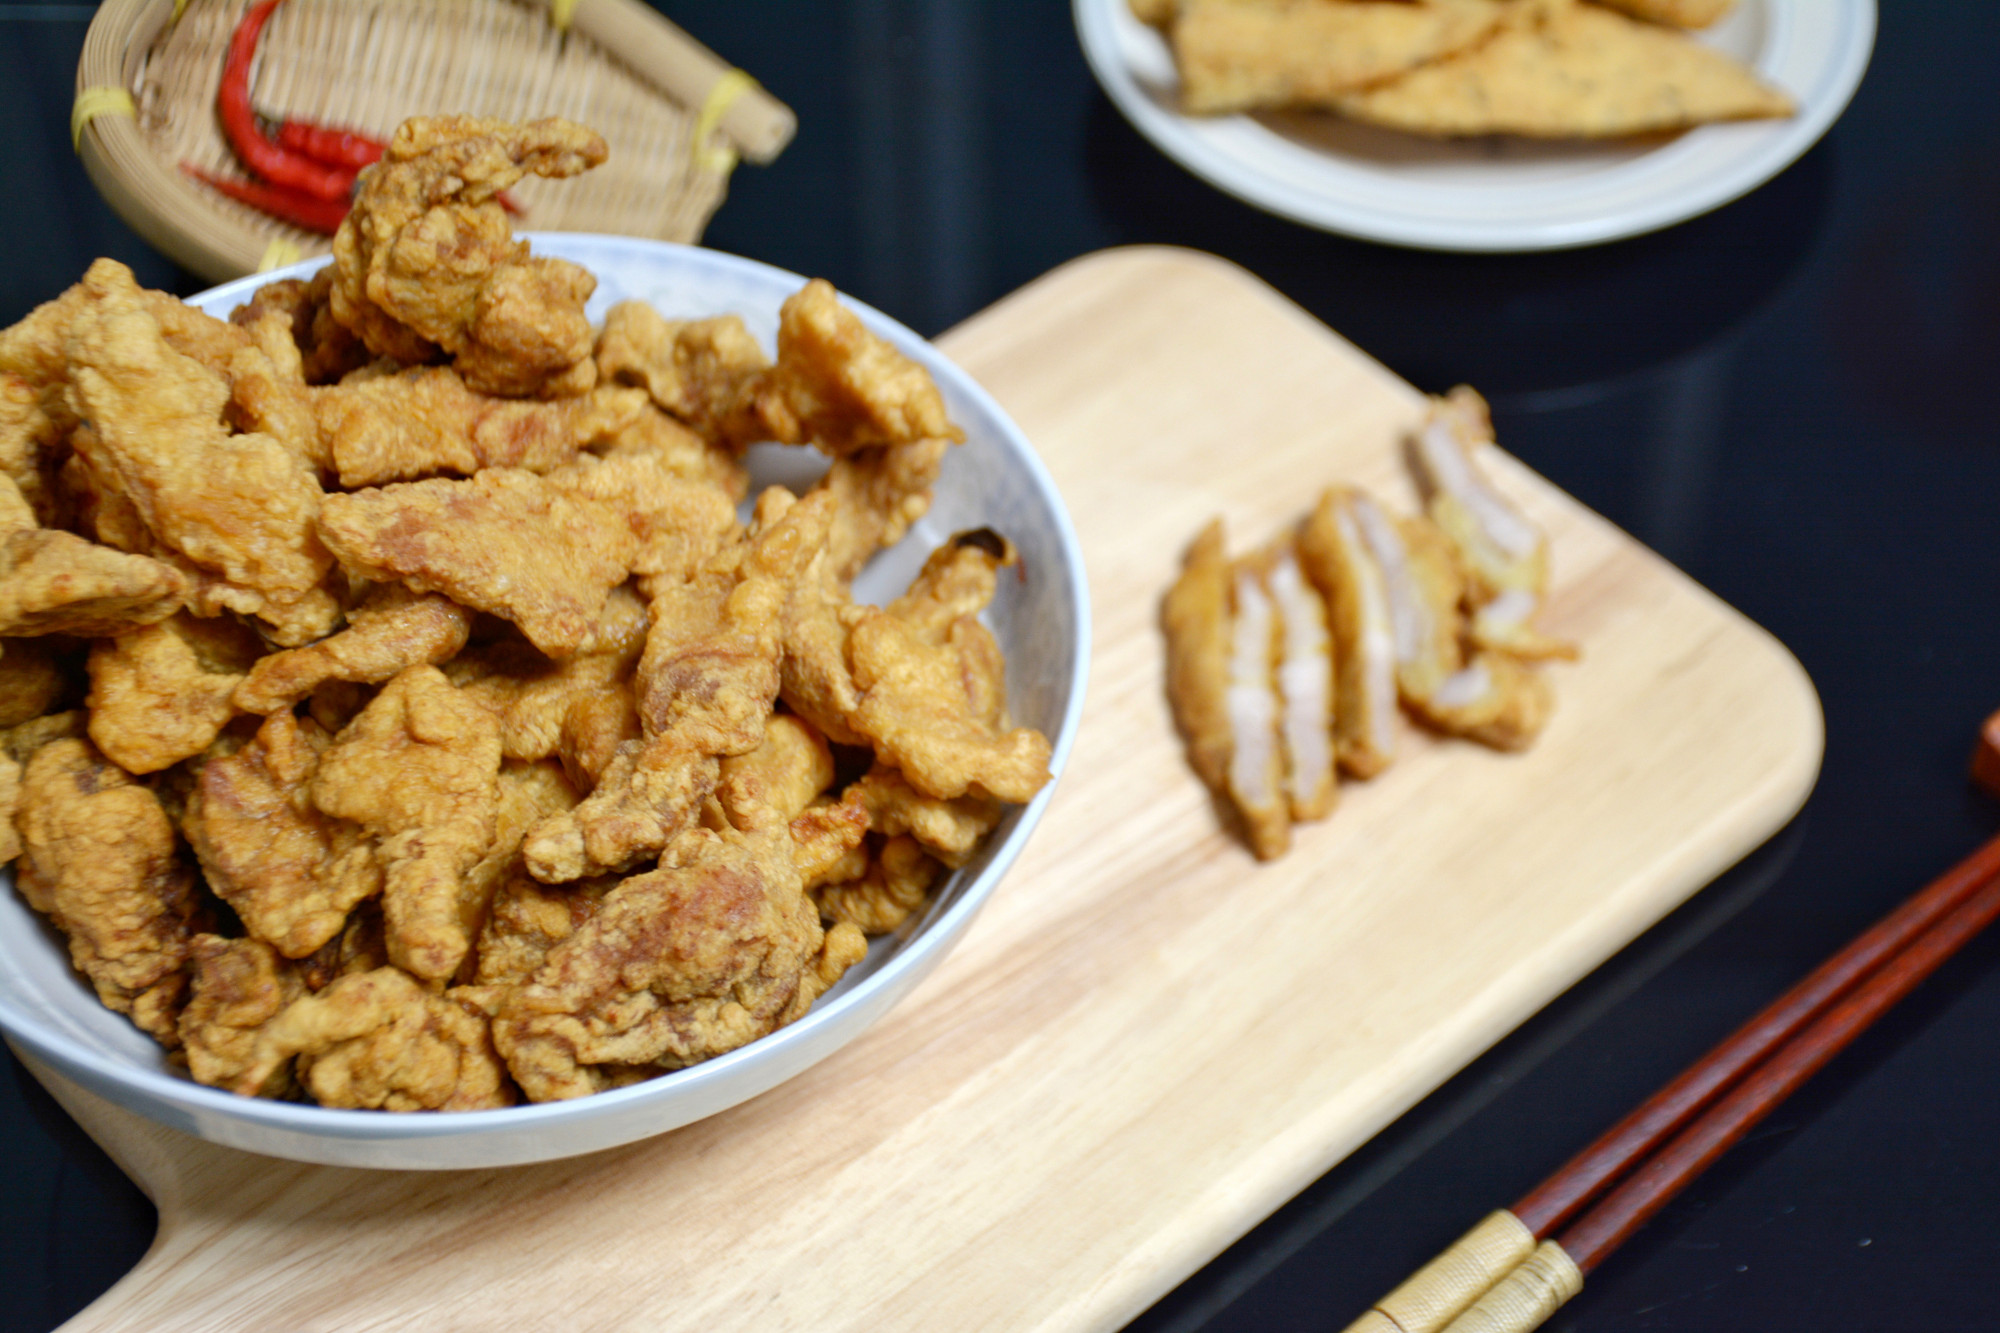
(1493, 194)
(1041, 619)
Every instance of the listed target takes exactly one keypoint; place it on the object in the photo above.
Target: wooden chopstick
(1770, 1055)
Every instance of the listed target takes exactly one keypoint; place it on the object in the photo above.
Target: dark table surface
(1792, 398)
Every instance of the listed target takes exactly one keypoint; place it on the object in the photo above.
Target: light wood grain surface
(1149, 1041)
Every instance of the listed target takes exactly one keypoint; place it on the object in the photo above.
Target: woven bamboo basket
(676, 116)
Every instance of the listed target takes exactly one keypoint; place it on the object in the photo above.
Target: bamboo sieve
(676, 116)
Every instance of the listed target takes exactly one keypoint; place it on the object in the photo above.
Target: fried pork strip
(99, 859)
(1338, 562)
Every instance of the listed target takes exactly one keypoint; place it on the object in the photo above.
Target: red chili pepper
(288, 205)
(267, 160)
(327, 145)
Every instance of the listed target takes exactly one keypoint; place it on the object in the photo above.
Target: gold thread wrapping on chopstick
(1435, 1294)
(722, 157)
(277, 254)
(94, 102)
(1525, 1297)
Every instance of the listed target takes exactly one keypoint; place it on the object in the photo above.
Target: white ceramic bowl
(1042, 621)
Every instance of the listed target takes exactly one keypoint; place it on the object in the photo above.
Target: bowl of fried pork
(486, 699)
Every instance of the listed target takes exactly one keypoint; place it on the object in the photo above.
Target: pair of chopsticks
(1517, 1267)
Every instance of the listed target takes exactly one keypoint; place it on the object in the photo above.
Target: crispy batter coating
(950, 830)
(239, 508)
(680, 523)
(1338, 562)
(678, 451)
(418, 769)
(714, 949)
(1305, 687)
(882, 491)
(58, 583)
(99, 858)
(529, 919)
(528, 793)
(426, 264)
(649, 792)
(34, 680)
(506, 542)
(161, 693)
(1195, 617)
(1423, 587)
(290, 871)
(926, 672)
(379, 1041)
(706, 372)
(424, 421)
(323, 348)
(1495, 700)
(236, 988)
(896, 883)
(20, 741)
(10, 805)
(390, 629)
(839, 387)
(31, 444)
(775, 782)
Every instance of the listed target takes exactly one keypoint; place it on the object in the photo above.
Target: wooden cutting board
(1149, 1041)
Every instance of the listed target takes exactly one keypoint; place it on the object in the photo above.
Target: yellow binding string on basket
(719, 157)
(91, 103)
(180, 8)
(560, 13)
(278, 254)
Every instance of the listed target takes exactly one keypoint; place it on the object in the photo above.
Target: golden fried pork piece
(1504, 555)
(717, 947)
(1338, 561)
(780, 784)
(1195, 619)
(679, 523)
(323, 348)
(239, 509)
(380, 1041)
(895, 884)
(580, 708)
(678, 451)
(426, 265)
(424, 421)
(1305, 686)
(706, 683)
(839, 387)
(31, 445)
(527, 794)
(1680, 13)
(418, 769)
(1239, 55)
(1495, 700)
(527, 919)
(236, 988)
(930, 680)
(10, 805)
(882, 491)
(20, 741)
(950, 830)
(58, 583)
(507, 542)
(650, 791)
(289, 870)
(161, 693)
(389, 629)
(1424, 588)
(99, 859)
(1256, 773)
(34, 680)
(705, 372)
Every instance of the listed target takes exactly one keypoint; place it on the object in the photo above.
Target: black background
(1792, 398)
